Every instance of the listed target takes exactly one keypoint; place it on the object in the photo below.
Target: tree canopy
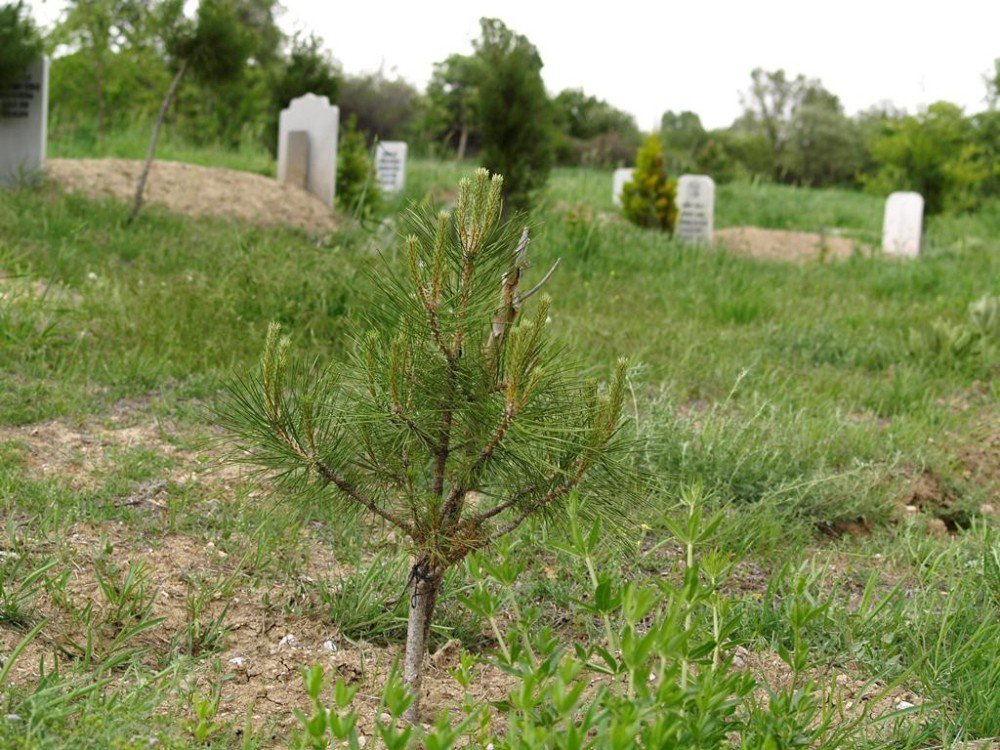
(20, 41)
(513, 111)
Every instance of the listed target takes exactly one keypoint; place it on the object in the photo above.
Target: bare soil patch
(259, 665)
(82, 453)
(197, 191)
(782, 244)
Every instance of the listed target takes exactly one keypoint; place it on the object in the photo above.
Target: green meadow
(817, 567)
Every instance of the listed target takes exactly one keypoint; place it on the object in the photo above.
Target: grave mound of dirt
(197, 191)
(782, 244)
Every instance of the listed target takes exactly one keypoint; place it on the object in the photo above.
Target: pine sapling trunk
(140, 187)
(426, 585)
(463, 142)
(101, 99)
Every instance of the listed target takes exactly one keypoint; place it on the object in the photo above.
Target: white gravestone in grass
(390, 165)
(320, 119)
(901, 228)
(24, 110)
(696, 208)
(618, 181)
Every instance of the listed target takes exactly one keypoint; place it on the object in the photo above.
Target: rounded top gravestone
(696, 207)
(318, 118)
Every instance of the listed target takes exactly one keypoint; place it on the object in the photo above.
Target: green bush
(935, 153)
(650, 200)
(357, 188)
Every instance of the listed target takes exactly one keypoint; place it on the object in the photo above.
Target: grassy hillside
(841, 418)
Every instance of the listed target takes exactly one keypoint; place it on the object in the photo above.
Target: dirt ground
(198, 191)
(259, 665)
(782, 244)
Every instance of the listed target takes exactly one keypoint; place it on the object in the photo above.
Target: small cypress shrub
(650, 199)
(357, 186)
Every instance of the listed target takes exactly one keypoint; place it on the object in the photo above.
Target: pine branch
(430, 297)
(398, 415)
(351, 491)
(278, 419)
(452, 508)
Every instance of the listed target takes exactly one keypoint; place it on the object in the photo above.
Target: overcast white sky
(648, 57)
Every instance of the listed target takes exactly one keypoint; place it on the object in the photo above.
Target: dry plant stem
(531, 507)
(689, 561)
(348, 489)
(140, 187)
(422, 601)
(501, 641)
(716, 630)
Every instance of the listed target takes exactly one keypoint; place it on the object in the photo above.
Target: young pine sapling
(455, 419)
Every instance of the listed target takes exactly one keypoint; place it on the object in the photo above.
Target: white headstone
(696, 208)
(621, 177)
(24, 114)
(320, 119)
(390, 165)
(901, 228)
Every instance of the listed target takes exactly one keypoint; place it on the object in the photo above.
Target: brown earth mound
(197, 191)
(781, 244)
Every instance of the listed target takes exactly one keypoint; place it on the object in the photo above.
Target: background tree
(234, 109)
(309, 69)
(768, 107)
(650, 199)
(514, 112)
(935, 153)
(455, 421)
(259, 19)
(214, 47)
(385, 108)
(97, 31)
(20, 42)
(807, 137)
(451, 106)
(825, 146)
(987, 129)
(109, 72)
(592, 132)
(683, 137)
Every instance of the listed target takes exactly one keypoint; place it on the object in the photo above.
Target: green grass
(133, 142)
(803, 400)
